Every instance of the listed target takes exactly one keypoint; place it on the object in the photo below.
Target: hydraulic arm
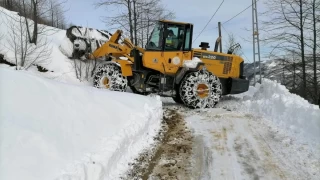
(113, 48)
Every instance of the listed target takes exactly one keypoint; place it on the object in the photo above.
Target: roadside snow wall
(52, 130)
(274, 101)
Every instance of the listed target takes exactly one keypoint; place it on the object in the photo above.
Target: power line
(209, 20)
(239, 13)
(236, 15)
(225, 29)
(240, 48)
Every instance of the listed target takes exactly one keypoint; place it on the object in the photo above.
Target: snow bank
(60, 67)
(273, 101)
(56, 60)
(52, 130)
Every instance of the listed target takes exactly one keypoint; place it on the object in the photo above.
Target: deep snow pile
(52, 130)
(58, 48)
(289, 111)
(54, 60)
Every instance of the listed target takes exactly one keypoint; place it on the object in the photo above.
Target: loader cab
(170, 36)
(169, 44)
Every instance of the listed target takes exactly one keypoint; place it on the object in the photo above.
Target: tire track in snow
(228, 145)
(170, 157)
(237, 152)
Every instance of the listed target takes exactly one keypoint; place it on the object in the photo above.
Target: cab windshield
(170, 37)
(155, 39)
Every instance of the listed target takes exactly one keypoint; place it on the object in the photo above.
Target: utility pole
(256, 40)
(219, 25)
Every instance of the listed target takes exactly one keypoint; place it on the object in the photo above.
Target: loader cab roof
(174, 22)
(170, 36)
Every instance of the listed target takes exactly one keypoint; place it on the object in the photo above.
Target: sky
(84, 13)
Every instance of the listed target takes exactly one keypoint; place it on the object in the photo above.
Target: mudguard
(184, 70)
(124, 65)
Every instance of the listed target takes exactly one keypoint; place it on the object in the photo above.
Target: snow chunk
(191, 63)
(66, 47)
(273, 64)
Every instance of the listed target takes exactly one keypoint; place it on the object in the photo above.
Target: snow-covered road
(230, 144)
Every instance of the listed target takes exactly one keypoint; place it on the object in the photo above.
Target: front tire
(177, 98)
(109, 76)
(200, 89)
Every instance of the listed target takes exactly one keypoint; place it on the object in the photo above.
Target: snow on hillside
(56, 61)
(289, 111)
(276, 69)
(52, 130)
(65, 130)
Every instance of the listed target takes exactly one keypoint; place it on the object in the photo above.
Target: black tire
(177, 98)
(190, 94)
(132, 86)
(111, 71)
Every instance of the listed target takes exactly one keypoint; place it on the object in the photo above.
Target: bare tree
(135, 17)
(231, 44)
(285, 31)
(84, 70)
(314, 6)
(150, 12)
(56, 13)
(38, 12)
(48, 12)
(292, 28)
(123, 19)
(9, 4)
(26, 54)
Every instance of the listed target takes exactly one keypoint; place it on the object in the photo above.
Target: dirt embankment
(170, 157)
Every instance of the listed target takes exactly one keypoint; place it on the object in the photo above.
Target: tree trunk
(52, 20)
(27, 23)
(142, 30)
(315, 79)
(8, 4)
(294, 72)
(304, 88)
(130, 20)
(135, 23)
(35, 24)
(148, 28)
(22, 51)
(283, 67)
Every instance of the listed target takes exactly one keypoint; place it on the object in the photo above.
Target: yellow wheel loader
(169, 66)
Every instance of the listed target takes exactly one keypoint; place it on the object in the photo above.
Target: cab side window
(174, 38)
(187, 43)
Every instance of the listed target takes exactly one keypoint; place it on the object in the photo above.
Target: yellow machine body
(222, 65)
(160, 57)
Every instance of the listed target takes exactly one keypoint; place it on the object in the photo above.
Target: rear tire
(200, 89)
(109, 76)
